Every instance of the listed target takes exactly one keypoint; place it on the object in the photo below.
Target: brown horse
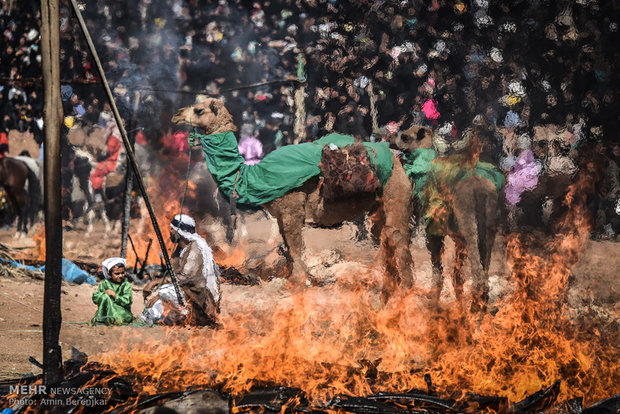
(23, 190)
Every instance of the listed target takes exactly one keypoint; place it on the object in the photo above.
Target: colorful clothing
(115, 153)
(524, 176)
(113, 311)
(251, 149)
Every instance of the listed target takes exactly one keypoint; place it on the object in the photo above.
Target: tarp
(280, 171)
(70, 271)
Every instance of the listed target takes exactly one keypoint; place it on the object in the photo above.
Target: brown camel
(305, 205)
(470, 212)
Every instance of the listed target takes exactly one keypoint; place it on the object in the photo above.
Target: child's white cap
(110, 263)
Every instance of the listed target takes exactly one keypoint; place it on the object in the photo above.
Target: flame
(166, 192)
(236, 258)
(322, 339)
(39, 241)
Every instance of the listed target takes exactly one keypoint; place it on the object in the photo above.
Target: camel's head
(209, 115)
(411, 139)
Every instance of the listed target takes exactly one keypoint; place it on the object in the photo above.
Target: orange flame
(318, 339)
(39, 241)
(165, 199)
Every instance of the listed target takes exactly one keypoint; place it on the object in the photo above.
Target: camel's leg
(460, 255)
(240, 237)
(361, 232)
(273, 231)
(390, 279)
(435, 247)
(470, 198)
(395, 236)
(490, 230)
(377, 221)
(289, 211)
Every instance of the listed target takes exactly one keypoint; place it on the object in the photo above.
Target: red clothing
(113, 147)
(4, 144)
(140, 138)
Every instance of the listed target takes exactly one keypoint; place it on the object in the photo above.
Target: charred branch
(538, 401)
(125, 394)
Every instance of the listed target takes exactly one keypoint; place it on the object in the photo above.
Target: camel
(305, 205)
(467, 212)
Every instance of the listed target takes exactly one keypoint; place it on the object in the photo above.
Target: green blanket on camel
(280, 171)
(433, 175)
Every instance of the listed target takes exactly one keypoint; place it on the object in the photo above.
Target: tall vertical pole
(129, 181)
(52, 316)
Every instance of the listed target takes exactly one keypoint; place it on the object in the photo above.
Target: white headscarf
(186, 227)
(109, 263)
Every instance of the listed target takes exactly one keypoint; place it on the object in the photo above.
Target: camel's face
(412, 139)
(210, 115)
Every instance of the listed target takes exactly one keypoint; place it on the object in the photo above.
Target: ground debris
(539, 401)
(270, 400)
(607, 406)
(124, 394)
(7, 270)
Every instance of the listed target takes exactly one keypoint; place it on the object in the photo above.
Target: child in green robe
(113, 296)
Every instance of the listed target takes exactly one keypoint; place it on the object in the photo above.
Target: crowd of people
(541, 73)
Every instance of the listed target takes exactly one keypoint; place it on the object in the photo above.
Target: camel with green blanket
(458, 196)
(288, 184)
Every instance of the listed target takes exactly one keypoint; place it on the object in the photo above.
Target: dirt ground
(330, 252)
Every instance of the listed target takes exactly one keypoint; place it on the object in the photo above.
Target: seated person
(113, 296)
(199, 281)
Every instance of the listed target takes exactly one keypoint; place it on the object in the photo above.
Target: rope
(299, 128)
(373, 106)
(190, 142)
(234, 193)
(189, 166)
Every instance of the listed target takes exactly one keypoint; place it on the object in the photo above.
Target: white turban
(184, 225)
(110, 263)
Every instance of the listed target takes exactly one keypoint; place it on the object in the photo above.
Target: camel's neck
(223, 159)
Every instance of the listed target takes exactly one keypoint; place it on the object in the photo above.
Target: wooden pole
(130, 155)
(129, 183)
(52, 113)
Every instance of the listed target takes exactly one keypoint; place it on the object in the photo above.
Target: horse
(23, 190)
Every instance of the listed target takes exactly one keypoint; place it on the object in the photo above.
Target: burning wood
(93, 388)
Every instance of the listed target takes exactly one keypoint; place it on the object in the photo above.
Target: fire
(235, 258)
(39, 241)
(322, 340)
(166, 192)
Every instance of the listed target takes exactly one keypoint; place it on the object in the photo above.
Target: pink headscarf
(430, 109)
(251, 149)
